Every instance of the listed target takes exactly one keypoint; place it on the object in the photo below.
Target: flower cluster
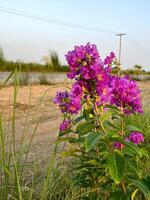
(134, 137)
(65, 125)
(118, 145)
(67, 103)
(82, 60)
(92, 79)
(126, 94)
(108, 60)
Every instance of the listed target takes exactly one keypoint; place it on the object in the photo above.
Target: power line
(137, 45)
(63, 23)
(54, 21)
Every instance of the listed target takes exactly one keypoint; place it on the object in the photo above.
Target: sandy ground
(33, 109)
(34, 106)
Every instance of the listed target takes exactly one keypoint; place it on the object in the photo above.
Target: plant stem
(123, 187)
(102, 127)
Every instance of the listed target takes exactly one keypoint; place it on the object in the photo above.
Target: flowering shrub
(108, 151)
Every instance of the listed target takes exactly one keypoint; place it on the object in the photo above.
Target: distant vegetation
(51, 63)
(136, 70)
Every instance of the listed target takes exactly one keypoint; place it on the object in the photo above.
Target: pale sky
(29, 39)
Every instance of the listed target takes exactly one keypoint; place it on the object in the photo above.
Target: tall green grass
(24, 179)
(143, 123)
(21, 178)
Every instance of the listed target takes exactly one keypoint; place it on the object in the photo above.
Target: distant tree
(138, 69)
(1, 58)
(52, 61)
(1, 54)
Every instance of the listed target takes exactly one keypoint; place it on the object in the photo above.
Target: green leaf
(91, 140)
(119, 196)
(146, 181)
(145, 152)
(79, 140)
(78, 119)
(111, 133)
(84, 128)
(116, 166)
(133, 167)
(93, 162)
(133, 128)
(143, 187)
(71, 140)
(70, 152)
(112, 125)
(106, 116)
(134, 194)
(113, 108)
(132, 146)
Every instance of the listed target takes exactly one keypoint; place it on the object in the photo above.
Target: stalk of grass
(27, 125)
(14, 109)
(30, 142)
(5, 169)
(9, 163)
(36, 126)
(17, 178)
(25, 129)
(2, 163)
(2, 141)
(8, 78)
(49, 170)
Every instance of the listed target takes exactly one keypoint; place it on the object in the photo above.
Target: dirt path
(34, 105)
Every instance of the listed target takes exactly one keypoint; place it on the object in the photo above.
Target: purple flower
(118, 145)
(92, 79)
(65, 125)
(67, 102)
(126, 94)
(76, 91)
(135, 137)
(80, 58)
(61, 97)
(71, 75)
(109, 59)
(74, 106)
(104, 94)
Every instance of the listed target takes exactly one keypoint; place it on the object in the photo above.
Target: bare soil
(34, 105)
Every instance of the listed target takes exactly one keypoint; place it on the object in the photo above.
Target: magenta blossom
(82, 55)
(108, 60)
(126, 94)
(80, 60)
(61, 97)
(92, 79)
(135, 137)
(67, 102)
(76, 91)
(65, 125)
(118, 145)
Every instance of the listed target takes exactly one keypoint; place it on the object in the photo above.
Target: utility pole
(120, 35)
